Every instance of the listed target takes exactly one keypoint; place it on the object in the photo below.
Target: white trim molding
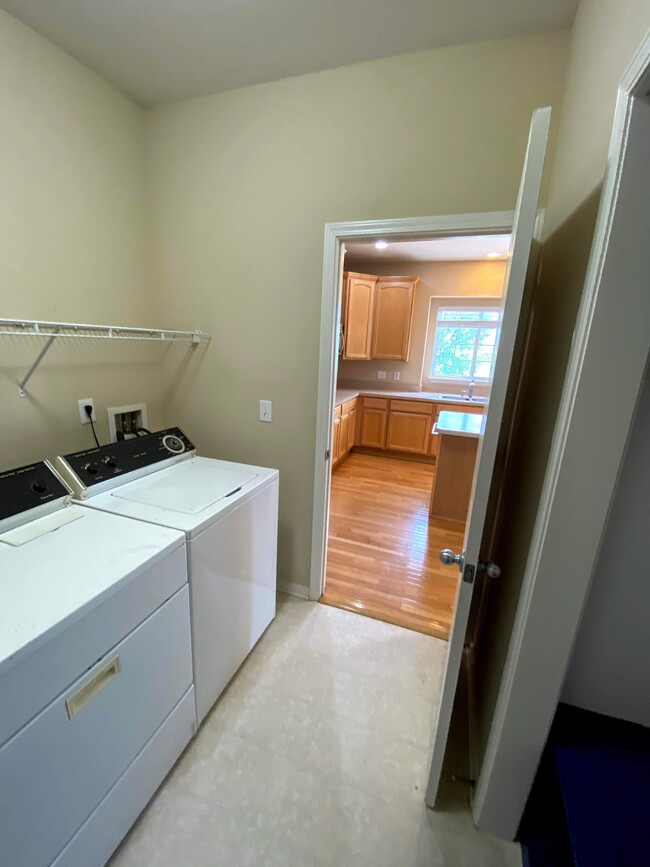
(292, 588)
(408, 228)
(586, 455)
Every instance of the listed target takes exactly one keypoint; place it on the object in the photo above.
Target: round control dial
(173, 444)
(111, 463)
(38, 486)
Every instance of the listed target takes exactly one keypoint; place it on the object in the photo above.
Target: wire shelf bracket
(51, 331)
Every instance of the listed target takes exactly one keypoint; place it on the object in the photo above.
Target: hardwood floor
(382, 550)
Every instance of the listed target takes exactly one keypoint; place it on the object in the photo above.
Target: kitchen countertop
(461, 424)
(345, 394)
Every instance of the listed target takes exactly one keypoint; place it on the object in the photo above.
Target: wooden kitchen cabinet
(374, 419)
(394, 300)
(357, 310)
(336, 436)
(343, 438)
(409, 426)
(352, 427)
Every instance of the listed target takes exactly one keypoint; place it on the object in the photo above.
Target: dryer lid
(188, 488)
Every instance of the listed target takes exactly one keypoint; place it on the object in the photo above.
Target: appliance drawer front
(58, 768)
(233, 581)
(102, 832)
(34, 682)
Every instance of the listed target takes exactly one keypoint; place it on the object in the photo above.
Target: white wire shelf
(50, 331)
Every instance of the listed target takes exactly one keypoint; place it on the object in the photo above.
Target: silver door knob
(491, 569)
(448, 557)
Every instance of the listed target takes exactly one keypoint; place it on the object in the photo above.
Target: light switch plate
(266, 410)
(396, 375)
(381, 374)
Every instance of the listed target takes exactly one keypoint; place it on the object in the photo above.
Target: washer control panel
(94, 466)
(27, 487)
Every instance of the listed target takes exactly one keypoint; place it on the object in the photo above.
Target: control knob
(173, 444)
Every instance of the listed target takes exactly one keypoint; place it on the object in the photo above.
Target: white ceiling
(462, 248)
(163, 50)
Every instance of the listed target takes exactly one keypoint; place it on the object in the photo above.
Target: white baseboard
(293, 589)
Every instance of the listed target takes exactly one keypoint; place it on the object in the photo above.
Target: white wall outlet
(396, 375)
(82, 411)
(381, 374)
(266, 410)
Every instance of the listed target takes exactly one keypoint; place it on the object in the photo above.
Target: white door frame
(409, 228)
(586, 455)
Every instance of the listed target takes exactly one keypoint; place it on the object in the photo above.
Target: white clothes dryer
(96, 696)
(229, 515)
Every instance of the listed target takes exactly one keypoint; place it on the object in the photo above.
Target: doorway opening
(417, 327)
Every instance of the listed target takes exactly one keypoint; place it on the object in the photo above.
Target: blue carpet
(603, 768)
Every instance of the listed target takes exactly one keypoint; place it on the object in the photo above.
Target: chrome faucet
(470, 393)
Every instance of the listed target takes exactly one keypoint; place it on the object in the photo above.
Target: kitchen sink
(461, 399)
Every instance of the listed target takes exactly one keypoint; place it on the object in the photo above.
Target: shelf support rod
(39, 358)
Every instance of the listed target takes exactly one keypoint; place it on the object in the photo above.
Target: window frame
(464, 302)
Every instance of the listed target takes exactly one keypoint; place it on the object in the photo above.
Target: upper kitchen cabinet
(393, 317)
(357, 315)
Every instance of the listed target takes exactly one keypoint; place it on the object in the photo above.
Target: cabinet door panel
(357, 315)
(336, 441)
(373, 428)
(344, 435)
(393, 317)
(352, 428)
(408, 432)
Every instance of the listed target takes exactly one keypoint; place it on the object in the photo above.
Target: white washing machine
(96, 696)
(229, 515)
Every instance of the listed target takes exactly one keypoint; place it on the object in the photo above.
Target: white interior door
(520, 248)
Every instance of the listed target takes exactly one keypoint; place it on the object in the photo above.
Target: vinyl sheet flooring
(316, 754)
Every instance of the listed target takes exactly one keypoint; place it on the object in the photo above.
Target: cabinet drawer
(375, 403)
(337, 411)
(349, 405)
(58, 768)
(422, 407)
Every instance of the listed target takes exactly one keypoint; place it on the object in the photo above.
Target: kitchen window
(464, 344)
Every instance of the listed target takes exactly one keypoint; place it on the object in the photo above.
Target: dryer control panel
(92, 467)
(27, 487)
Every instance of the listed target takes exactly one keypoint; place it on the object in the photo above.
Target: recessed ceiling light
(493, 255)
(381, 245)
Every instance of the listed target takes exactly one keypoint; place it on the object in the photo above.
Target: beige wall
(72, 242)
(243, 184)
(461, 279)
(605, 36)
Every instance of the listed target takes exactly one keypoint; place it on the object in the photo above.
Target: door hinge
(327, 455)
(468, 573)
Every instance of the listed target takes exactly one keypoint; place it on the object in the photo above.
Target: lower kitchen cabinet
(374, 419)
(409, 426)
(343, 435)
(336, 435)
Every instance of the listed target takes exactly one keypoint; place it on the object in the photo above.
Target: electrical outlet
(396, 375)
(266, 410)
(82, 404)
(381, 374)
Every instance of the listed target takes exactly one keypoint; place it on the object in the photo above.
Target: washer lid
(188, 488)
